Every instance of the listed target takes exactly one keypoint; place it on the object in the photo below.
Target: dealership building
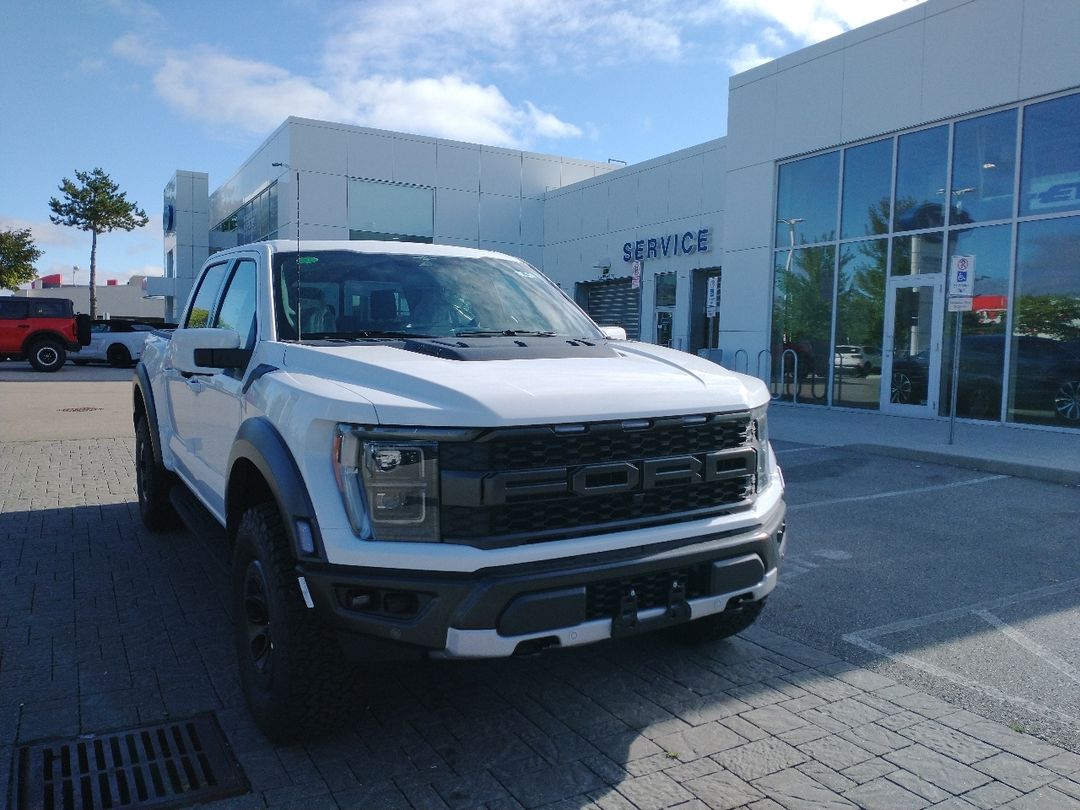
(876, 195)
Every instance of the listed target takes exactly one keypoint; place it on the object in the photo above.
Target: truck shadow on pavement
(105, 626)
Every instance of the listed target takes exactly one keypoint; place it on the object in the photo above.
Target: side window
(203, 305)
(48, 309)
(237, 310)
(13, 308)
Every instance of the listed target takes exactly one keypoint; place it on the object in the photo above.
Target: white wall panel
(457, 166)
(685, 178)
(971, 58)
(594, 207)
(713, 179)
(457, 215)
(532, 222)
(575, 172)
(752, 123)
(1050, 59)
(538, 175)
(414, 161)
(748, 223)
(745, 302)
(500, 172)
(323, 200)
(883, 82)
(500, 219)
(808, 103)
(317, 149)
(568, 225)
(653, 194)
(371, 156)
(622, 201)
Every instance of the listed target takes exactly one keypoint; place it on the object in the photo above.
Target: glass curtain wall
(850, 219)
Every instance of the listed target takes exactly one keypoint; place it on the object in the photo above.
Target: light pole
(74, 274)
(791, 222)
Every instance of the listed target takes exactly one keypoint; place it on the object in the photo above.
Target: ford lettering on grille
(618, 476)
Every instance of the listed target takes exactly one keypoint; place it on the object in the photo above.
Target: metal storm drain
(81, 409)
(169, 765)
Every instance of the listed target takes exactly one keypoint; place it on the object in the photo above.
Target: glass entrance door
(911, 356)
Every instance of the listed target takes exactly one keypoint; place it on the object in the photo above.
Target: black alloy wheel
(257, 615)
(1067, 401)
(118, 356)
(152, 483)
(901, 388)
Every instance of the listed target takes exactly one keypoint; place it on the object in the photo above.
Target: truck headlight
(390, 487)
(765, 461)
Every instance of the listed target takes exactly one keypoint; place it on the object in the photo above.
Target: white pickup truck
(427, 451)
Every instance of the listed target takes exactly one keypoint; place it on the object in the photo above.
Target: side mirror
(613, 332)
(204, 351)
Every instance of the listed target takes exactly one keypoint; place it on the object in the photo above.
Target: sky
(143, 88)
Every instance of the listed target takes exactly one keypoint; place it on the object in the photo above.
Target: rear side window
(201, 307)
(13, 308)
(50, 309)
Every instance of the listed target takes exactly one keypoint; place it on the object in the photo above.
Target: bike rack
(794, 373)
(768, 366)
(746, 361)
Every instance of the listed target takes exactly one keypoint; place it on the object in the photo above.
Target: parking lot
(921, 650)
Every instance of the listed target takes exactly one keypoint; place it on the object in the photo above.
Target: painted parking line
(896, 493)
(869, 640)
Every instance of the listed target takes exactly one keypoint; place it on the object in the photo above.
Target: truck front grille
(525, 485)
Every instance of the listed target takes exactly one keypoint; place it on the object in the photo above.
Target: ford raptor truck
(428, 451)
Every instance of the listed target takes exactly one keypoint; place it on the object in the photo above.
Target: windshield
(347, 295)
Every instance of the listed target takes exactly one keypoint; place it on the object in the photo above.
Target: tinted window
(984, 165)
(1050, 175)
(237, 309)
(205, 297)
(867, 189)
(920, 179)
(49, 309)
(11, 308)
(806, 200)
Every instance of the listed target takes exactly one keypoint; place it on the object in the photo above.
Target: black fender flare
(259, 443)
(141, 386)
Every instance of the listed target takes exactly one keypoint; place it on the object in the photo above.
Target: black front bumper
(387, 614)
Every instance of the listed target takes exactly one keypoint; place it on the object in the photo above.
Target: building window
(391, 211)
(254, 221)
(903, 217)
(1050, 177)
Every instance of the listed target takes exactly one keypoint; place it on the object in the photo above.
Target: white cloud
(46, 234)
(810, 21)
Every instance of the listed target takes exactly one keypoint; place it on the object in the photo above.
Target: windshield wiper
(502, 333)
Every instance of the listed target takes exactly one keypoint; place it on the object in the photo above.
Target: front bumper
(501, 611)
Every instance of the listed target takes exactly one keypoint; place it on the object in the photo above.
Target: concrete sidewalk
(1027, 452)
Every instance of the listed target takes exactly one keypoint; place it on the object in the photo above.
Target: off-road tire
(152, 483)
(47, 354)
(291, 670)
(718, 626)
(118, 356)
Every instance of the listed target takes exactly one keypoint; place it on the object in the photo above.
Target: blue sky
(143, 88)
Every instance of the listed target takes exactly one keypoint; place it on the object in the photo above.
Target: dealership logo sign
(672, 244)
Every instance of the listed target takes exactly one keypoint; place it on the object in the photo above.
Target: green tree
(95, 204)
(17, 256)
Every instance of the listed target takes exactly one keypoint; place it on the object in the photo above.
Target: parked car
(859, 360)
(117, 342)
(41, 330)
(1046, 377)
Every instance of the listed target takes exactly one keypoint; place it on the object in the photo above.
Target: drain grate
(80, 409)
(168, 765)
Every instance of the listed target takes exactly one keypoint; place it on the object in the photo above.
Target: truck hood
(634, 380)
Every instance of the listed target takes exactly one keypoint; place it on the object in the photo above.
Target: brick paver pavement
(103, 625)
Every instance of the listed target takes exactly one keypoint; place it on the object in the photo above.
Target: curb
(1017, 469)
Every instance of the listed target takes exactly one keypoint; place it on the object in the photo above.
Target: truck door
(186, 408)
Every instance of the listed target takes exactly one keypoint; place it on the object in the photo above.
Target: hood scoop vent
(507, 348)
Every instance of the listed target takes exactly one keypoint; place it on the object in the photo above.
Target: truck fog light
(399, 505)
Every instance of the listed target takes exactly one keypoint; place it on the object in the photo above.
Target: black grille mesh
(564, 516)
